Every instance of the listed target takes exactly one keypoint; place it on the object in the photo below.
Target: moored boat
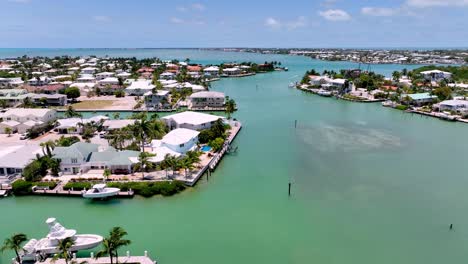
(100, 191)
(49, 245)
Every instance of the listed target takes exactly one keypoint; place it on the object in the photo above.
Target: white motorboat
(49, 245)
(100, 191)
(324, 93)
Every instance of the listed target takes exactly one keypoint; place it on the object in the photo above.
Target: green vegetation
(22, 187)
(148, 189)
(459, 73)
(401, 107)
(443, 93)
(217, 130)
(112, 243)
(66, 141)
(64, 249)
(72, 93)
(216, 144)
(230, 106)
(78, 186)
(15, 243)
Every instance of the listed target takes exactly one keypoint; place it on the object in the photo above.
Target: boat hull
(109, 192)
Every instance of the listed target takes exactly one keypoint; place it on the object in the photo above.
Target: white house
(88, 70)
(212, 71)
(109, 80)
(123, 75)
(14, 81)
(453, 105)
(104, 75)
(86, 78)
(14, 158)
(231, 71)
(175, 143)
(210, 99)
(419, 98)
(37, 81)
(139, 87)
(27, 118)
(436, 75)
(191, 120)
(156, 99)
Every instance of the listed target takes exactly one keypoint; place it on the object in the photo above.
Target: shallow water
(369, 185)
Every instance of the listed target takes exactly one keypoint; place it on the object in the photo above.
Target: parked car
(24, 136)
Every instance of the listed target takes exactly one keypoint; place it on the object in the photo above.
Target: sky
(239, 23)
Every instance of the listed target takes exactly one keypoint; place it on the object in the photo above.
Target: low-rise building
(13, 97)
(139, 87)
(175, 143)
(419, 98)
(191, 120)
(27, 118)
(453, 105)
(160, 99)
(11, 82)
(232, 71)
(206, 99)
(14, 158)
(436, 75)
(211, 72)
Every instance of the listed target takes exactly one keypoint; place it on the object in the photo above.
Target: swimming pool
(205, 148)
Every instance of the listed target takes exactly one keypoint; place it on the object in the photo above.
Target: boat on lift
(100, 191)
(47, 246)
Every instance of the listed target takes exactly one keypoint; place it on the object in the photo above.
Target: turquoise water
(369, 185)
(205, 148)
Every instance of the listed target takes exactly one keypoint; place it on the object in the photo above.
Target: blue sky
(240, 23)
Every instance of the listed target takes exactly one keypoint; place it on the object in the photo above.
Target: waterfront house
(14, 158)
(118, 162)
(73, 157)
(419, 99)
(112, 124)
(211, 72)
(73, 125)
(208, 99)
(190, 120)
(139, 87)
(318, 80)
(453, 105)
(436, 75)
(175, 143)
(160, 99)
(232, 71)
(27, 118)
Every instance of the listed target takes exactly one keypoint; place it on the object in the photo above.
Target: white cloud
(176, 20)
(335, 15)
(429, 3)
(192, 7)
(379, 11)
(198, 6)
(272, 23)
(102, 18)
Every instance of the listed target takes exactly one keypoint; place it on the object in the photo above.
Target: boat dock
(104, 260)
(236, 127)
(59, 191)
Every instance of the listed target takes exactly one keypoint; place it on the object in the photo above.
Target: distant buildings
(436, 75)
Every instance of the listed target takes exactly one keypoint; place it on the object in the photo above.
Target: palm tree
(64, 248)
(106, 174)
(230, 106)
(71, 112)
(3, 103)
(107, 249)
(187, 164)
(141, 130)
(144, 164)
(47, 147)
(14, 243)
(8, 131)
(116, 235)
